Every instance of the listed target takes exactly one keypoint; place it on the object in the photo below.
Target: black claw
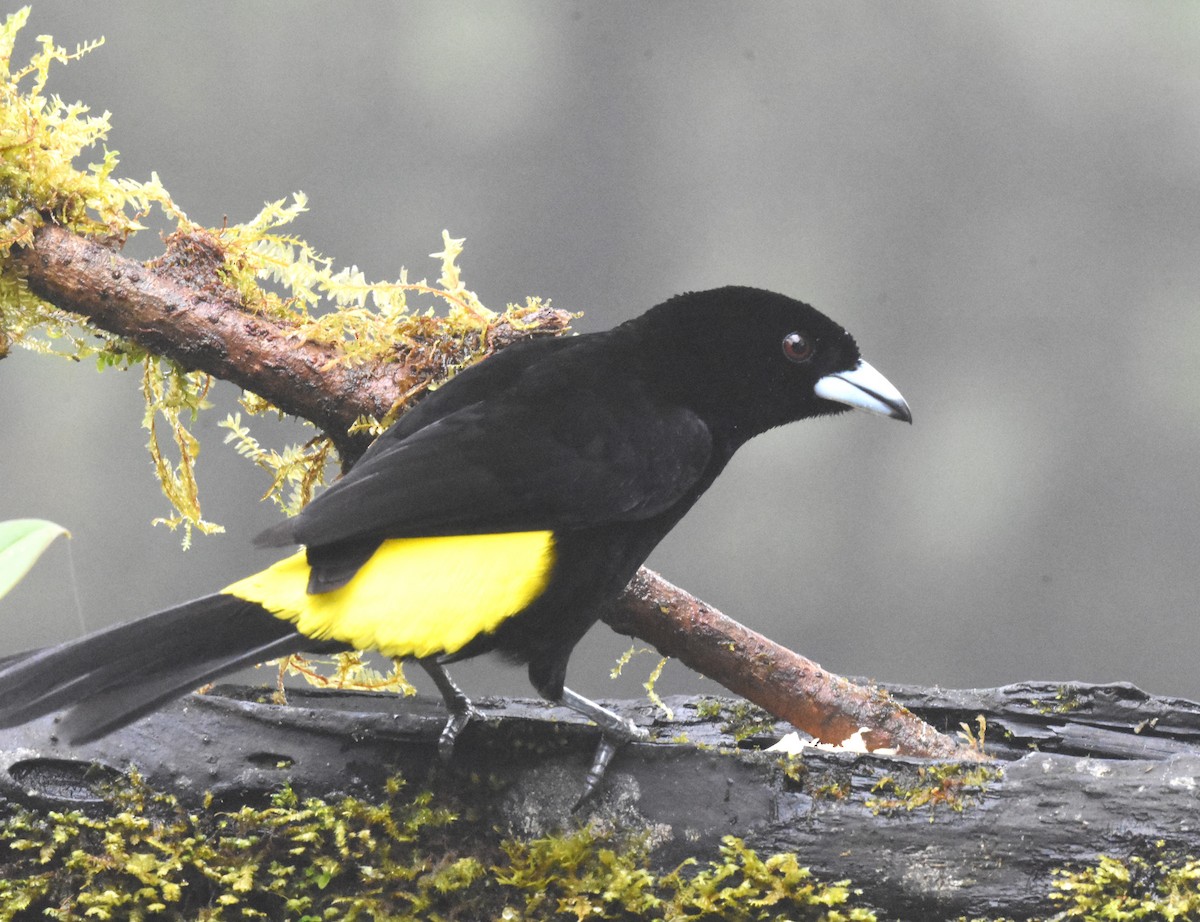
(615, 730)
(461, 711)
(604, 753)
(454, 726)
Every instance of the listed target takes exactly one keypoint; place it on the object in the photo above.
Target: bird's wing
(516, 465)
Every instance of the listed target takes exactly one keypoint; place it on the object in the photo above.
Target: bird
(498, 515)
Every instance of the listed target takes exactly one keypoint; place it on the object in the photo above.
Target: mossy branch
(180, 307)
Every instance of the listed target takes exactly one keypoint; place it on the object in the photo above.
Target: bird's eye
(797, 347)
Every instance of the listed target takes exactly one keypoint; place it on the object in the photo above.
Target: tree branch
(787, 684)
(178, 306)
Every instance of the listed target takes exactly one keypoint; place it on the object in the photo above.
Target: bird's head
(752, 360)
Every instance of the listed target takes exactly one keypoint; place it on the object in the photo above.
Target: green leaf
(22, 542)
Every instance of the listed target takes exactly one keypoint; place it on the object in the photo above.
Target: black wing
(489, 468)
(555, 440)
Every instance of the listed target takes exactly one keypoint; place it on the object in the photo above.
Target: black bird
(497, 515)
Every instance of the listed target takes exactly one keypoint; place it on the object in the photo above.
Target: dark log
(1081, 771)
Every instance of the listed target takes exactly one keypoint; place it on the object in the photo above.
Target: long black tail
(112, 677)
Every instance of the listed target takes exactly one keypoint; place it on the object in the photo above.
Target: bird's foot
(461, 709)
(454, 725)
(604, 753)
(616, 730)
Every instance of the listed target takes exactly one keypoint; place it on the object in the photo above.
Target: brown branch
(179, 307)
(791, 687)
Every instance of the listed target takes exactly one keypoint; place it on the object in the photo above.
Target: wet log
(1078, 771)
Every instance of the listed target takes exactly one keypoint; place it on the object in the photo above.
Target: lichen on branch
(263, 293)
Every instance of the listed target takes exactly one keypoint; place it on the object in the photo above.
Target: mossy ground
(405, 856)
(408, 855)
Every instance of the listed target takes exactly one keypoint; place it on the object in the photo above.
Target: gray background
(999, 200)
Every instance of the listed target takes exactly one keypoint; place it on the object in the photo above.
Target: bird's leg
(602, 717)
(461, 710)
(615, 730)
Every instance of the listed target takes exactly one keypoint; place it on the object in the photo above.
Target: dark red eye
(797, 347)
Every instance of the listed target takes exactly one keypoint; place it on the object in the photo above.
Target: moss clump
(954, 785)
(1066, 700)
(401, 858)
(742, 719)
(272, 273)
(833, 790)
(1131, 889)
(293, 859)
(582, 876)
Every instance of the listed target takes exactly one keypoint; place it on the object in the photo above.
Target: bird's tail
(112, 677)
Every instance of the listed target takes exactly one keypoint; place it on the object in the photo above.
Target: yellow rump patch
(415, 596)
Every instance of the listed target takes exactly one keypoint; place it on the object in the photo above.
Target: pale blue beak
(865, 389)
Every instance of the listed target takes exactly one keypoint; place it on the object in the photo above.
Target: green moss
(400, 858)
(43, 136)
(974, 737)
(833, 790)
(794, 769)
(1130, 889)
(582, 876)
(290, 859)
(952, 784)
(742, 719)
(652, 679)
(405, 857)
(1065, 701)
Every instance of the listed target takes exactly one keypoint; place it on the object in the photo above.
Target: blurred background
(1001, 201)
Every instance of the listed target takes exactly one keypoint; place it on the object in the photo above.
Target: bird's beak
(865, 388)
